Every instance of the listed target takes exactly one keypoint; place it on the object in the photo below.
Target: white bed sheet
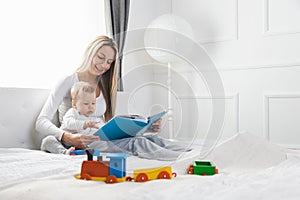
(28, 174)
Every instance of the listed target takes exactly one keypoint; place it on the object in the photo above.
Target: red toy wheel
(216, 171)
(190, 170)
(86, 177)
(174, 174)
(142, 177)
(164, 175)
(111, 179)
(128, 178)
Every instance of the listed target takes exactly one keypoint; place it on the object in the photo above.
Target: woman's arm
(79, 140)
(44, 124)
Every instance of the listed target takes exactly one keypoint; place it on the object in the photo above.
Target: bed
(249, 166)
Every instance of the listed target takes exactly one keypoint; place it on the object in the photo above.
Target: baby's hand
(90, 124)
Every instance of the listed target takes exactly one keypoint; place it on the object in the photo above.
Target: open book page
(136, 118)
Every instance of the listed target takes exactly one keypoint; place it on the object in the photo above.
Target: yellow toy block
(142, 175)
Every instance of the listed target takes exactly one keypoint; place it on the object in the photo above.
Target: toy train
(202, 168)
(113, 170)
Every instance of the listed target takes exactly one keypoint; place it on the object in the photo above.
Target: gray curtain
(117, 14)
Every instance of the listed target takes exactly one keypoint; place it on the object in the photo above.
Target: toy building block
(77, 152)
(202, 168)
(117, 164)
(142, 175)
(83, 152)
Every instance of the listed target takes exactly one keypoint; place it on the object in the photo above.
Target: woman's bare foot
(69, 150)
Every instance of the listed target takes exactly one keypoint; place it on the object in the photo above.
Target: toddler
(78, 119)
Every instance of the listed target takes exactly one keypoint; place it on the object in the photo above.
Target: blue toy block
(117, 164)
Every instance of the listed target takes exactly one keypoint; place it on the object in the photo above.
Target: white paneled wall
(262, 59)
(245, 34)
(281, 17)
(212, 21)
(282, 114)
(255, 45)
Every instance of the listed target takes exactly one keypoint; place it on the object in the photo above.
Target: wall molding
(255, 67)
(266, 24)
(212, 40)
(234, 97)
(220, 39)
(267, 98)
(234, 68)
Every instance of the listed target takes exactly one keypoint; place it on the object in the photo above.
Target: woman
(99, 68)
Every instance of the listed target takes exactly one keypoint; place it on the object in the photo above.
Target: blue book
(123, 126)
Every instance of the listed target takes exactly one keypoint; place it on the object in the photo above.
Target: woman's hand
(155, 127)
(80, 141)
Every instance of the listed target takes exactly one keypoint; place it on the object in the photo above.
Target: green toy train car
(202, 168)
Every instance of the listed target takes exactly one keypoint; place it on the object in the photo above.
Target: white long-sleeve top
(73, 122)
(59, 100)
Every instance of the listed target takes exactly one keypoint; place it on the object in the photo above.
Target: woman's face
(102, 60)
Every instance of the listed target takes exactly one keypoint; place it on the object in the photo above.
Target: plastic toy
(142, 175)
(113, 170)
(83, 152)
(77, 152)
(202, 168)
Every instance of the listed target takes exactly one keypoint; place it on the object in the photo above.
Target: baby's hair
(80, 87)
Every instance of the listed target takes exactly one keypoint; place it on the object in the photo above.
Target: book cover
(123, 126)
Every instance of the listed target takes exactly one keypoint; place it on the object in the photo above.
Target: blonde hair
(80, 87)
(107, 82)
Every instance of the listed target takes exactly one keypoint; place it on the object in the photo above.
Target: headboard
(19, 109)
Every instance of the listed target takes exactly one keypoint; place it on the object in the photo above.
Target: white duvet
(250, 168)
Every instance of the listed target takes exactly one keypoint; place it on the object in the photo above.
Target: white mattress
(273, 174)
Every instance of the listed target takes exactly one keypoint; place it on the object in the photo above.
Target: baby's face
(86, 103)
